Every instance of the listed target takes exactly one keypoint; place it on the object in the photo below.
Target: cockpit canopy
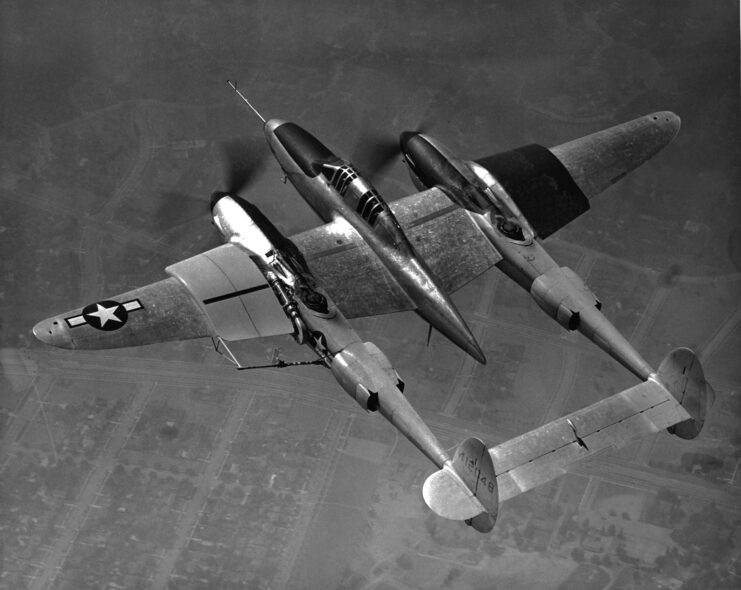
(355, 190)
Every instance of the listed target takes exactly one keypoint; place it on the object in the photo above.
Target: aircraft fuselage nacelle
(468, 184)
(361, 368)
(335, 189)
(558, 291)
(432, 164)
(331, 185)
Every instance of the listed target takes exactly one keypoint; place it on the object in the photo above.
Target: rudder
(466, 488)
(475, 467)
(681, 373)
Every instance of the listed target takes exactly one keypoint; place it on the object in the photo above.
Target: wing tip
(54, 332)
(600, 159)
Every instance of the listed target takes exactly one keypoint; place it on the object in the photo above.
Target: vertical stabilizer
(681, 373)
(475, 467)
(466, 488)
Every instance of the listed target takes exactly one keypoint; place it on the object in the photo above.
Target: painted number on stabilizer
(472, 465)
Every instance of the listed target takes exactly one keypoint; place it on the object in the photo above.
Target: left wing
(675, 398)
(444, 235)
(219, 293)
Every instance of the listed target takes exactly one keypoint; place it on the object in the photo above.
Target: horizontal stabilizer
(538, 456)
(598, 160)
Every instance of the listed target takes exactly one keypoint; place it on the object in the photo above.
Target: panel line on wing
(425, 218)
(332, 251)
(234, 294)
(641, 413)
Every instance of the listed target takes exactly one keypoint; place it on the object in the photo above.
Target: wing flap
(446, 238)
(351, 273)
(232, 292)
(543, 454)
(444, 235)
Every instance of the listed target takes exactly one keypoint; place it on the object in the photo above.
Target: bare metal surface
(448, 496)
(168, 312)
(351, 274)
(538, 456)
(340, 193)
(598, 160)
(447, 239)
(223, 271)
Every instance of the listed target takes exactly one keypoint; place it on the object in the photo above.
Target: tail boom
(471, 485)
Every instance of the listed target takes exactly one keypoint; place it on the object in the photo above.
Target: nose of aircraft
(216, 197)
(272, 124)
(404, 138)
(293, 145)
(669, 122)
(53, 331)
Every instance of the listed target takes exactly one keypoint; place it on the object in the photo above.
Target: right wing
(444, 235)
(219, 293)
(552, 187)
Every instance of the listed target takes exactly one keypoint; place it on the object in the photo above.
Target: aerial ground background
(162, 467)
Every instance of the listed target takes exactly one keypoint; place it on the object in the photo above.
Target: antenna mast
(242, 96)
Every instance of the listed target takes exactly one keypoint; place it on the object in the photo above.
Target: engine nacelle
(562, 294)
(363, 371)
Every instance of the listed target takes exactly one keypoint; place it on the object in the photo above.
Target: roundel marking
(105, 315)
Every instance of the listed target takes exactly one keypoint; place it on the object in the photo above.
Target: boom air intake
(466, 487)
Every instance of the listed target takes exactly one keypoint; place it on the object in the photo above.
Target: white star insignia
(104, 314)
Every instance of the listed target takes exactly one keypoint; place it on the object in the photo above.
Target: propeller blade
(175, 209)
(375, 153)
(244, 159)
